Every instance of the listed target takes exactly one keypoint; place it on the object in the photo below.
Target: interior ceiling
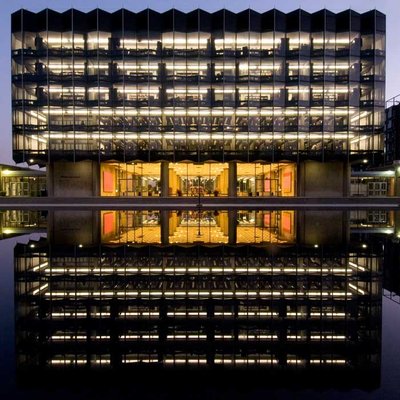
(215, 169)
(252, 169)
(144, 169)
(212, 169)
(195, 170)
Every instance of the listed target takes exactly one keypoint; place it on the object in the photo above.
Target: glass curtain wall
(196, 86)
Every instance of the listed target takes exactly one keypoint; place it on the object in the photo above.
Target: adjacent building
(198, 103)
(392, 130)
(22, 182)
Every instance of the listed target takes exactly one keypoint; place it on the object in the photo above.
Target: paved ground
(115, 203)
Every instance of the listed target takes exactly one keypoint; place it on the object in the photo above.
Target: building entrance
(188, 179)
(192, 179)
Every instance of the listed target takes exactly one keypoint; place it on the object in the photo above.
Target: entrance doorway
(202, 179)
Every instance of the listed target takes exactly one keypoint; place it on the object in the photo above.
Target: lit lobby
(198, 226)
(197, 179)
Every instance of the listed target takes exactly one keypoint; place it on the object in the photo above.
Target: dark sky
(390, 7)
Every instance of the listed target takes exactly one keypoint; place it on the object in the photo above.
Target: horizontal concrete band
(221, 203)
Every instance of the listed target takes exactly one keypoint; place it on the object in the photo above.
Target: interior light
(365, 161)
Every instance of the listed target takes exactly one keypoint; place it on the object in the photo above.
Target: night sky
(390, 7)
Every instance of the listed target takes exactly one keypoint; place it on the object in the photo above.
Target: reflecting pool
(252, 302)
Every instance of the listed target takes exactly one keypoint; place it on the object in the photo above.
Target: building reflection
(197, 226)
(275, 300)
(22, 222)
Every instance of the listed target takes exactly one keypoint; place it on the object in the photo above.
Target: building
(19, 222)
(288, 307)
(22, 182)
(392, 130)
(175, 104)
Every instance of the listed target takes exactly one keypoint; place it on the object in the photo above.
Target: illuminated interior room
(266, 227)
(197, 226)
(188, 179)
(202, 179)
(258, 179)
(130, 227)
(130, 179)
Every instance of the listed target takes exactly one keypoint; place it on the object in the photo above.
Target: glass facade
(392, 129)
(305, 300)
(197, 87)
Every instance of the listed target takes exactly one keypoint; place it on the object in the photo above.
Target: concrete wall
(317, 179)
(74, 227)
(322, 227)
(73, 179)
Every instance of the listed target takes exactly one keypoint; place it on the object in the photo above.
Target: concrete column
(164, 226)
(79, 227)
(232, 222)
(301, 172)
(328, 179)
(259, 219)
(232, 179)
(164, 178)
(73, 179)
(311, 228)
(96, 178)
(49, 178)
(346, 179)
